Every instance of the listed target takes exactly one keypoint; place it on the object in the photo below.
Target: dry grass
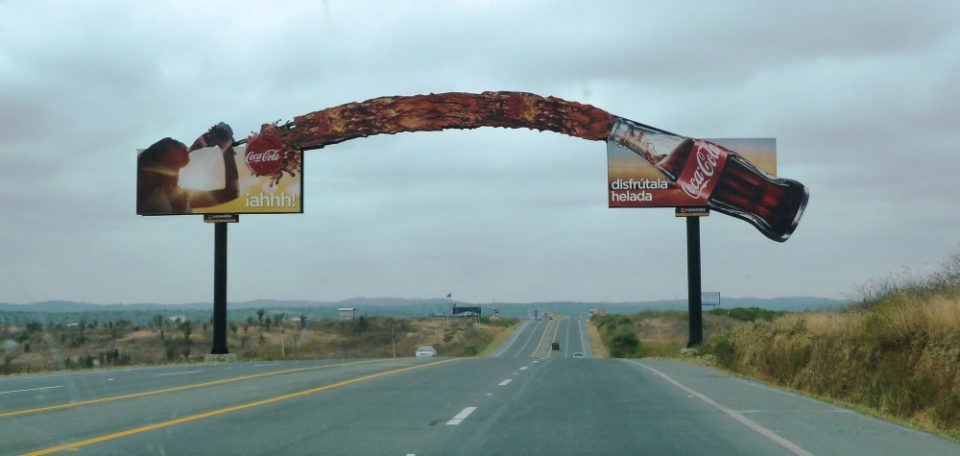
(898, 355)
(597, 346)
(45, 349)
(656, 333)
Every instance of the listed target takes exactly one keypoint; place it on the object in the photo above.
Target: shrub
(625, 344)
(748, 313)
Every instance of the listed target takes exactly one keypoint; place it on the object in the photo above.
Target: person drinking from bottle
(158, 175)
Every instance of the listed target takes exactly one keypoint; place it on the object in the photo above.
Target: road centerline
(554, 339)
(505, 382)
(154, 392)
(794, 448)
(458, 418)
(236, 408)
(542, 337)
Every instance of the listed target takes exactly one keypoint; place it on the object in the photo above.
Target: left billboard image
(215, 175)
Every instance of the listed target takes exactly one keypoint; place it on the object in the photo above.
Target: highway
(524, 399)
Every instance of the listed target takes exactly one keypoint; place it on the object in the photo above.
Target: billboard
(460, 310)
(258, 177)
(632, 181)
(710, 298)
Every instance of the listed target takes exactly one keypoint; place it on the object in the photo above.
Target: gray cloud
(861, 99)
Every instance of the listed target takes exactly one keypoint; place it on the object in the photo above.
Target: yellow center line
(542, 336)
(235, 408)
(102, 400)
(557, 328)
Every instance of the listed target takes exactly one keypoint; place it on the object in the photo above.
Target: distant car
(578, 355)
(555, 346)
(426, 351)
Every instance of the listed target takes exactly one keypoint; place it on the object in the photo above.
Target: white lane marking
(524, 346)
(763, 387)
(583, 345)
(168, 374)
(31, 389)
(264, 365)
(513, 339)
(505, 382)
(461, 416)
(793, 447)
(489, 394)
(523, 368)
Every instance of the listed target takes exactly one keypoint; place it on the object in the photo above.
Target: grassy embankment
(37, 348)
(897, 352)
(597, 347)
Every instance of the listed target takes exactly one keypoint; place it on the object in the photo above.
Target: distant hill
(417, 307)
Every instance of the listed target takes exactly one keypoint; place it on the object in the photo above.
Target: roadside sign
(710, 298)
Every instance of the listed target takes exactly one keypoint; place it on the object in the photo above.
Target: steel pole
(220, 290)
(695, 305)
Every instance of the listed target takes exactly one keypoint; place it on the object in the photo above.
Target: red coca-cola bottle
(732, 185)
(720, 178)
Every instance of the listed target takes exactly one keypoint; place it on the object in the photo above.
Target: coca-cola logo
(699, 184)
(264, 156)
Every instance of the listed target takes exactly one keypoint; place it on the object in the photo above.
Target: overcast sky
(863, 99)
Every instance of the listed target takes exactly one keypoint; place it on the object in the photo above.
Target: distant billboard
(633, 182)
(710, 298)
(458, 310)
(258, 177)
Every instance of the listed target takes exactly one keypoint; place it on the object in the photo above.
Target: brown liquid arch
(440, 111)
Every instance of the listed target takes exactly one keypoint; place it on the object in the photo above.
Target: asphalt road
(525, 399)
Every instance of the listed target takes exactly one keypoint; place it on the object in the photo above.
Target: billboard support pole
(220, 289)
(694, 303)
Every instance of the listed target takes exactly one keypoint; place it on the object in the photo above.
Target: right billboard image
(647, 167)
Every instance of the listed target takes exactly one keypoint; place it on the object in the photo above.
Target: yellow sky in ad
(258, 194)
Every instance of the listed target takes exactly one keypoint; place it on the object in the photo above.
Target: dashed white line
(31, 389)
(169, 374)
(461, 416)
(505, 382)
(523, 368)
